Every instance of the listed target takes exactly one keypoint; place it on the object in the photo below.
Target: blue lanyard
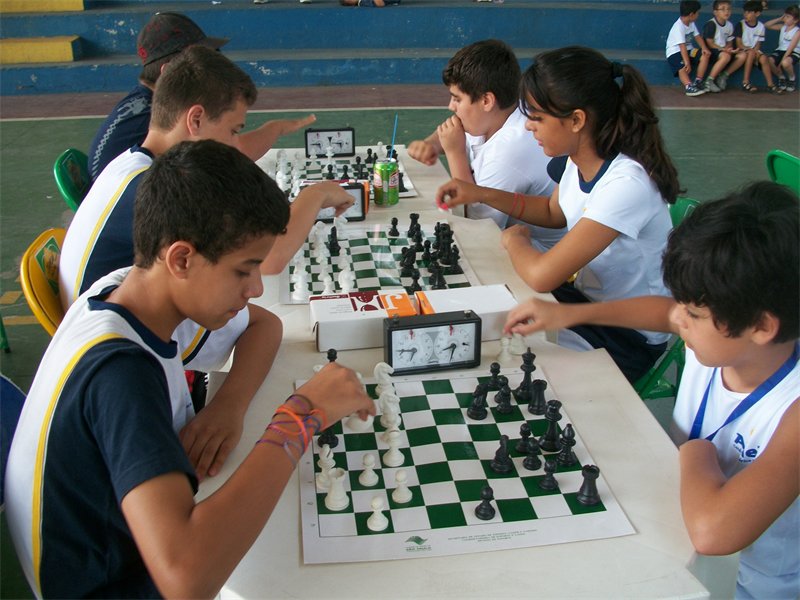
(745, 405)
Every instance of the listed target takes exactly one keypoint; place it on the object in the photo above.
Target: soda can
(386, 182)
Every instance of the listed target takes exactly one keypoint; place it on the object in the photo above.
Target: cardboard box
(355, 320)
(490, 302)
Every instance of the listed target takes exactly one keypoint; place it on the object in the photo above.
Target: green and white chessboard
(374, 258)
(447, 456)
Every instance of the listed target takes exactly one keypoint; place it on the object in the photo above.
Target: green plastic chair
(3, 337)
(71, 171)
(784, 168)
(682, 207)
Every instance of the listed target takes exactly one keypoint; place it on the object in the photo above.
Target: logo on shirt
(746, 455)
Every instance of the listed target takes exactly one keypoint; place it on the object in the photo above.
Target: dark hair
(738, 256)
(793, 10)
(718, 3)
(206, 193)
(199, 75)
(753, 6)
(152, 71)
(621, 119)
(486, 66)
(687, 7)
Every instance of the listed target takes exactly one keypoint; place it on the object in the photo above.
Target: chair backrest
(11, 400)
(39, 278)
(682, 207)
(71, 171)
(784, 168)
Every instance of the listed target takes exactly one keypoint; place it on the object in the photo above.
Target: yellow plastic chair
(71, 171)
(784, 168)
(39, 278)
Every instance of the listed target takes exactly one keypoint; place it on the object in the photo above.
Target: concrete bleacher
(285, 43)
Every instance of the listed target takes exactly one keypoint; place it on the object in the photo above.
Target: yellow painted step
(25, 6)
(64, 48)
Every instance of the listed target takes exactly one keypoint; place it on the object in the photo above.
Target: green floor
(714, 150)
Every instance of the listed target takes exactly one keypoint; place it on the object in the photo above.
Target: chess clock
(342, 142)
(358, 211)
(430, 343)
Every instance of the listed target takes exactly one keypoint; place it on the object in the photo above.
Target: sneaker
(790, 85)
(694, 91)
(722, 81)
(710, 86)
(781, 84)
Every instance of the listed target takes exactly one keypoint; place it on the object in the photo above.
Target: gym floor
(718, 142)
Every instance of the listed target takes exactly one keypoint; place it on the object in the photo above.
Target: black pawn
(401, 186)
(330, 174)
(549, 442)
(548, 482)
(538, 404)
(524, 444)
(345, 174)
(393, 231)
(333, 242)
(426, 250)
(415, 286)
(501, 463)
(494, 383)
(588, 494)
(359, 170)
(332, 355)
(478, 410)
(328, 437)
(532, 461)
(418, 245)
(485, 511)
(455, 256)
(567, 458)
(503, 399)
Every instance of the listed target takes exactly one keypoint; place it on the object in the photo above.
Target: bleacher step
(57, 49)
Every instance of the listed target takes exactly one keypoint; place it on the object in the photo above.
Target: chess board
(447, 457)
(374, 258)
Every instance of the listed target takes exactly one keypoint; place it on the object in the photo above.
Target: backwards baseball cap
(168, 33)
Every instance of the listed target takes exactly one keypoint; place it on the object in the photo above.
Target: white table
(639, 463)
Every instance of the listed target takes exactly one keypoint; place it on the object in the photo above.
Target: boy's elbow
(542, 282)
(179, 581)
(709, 535)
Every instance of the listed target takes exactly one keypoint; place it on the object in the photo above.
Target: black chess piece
(330, 174)
(549, 442)
(401, 186)
(359, 168)
(409, 261)
(485, 511)
(567, 458)
(328, 437)
(501, 463)
(393, 231)
(523, 393)
(455, 267)
(532, 461)
(494, 383)
(548, 482)
(525, 434)
(439, 282)
(418, 246)
(588, 494)
(426, 251)
(503, 399)
(415, 286)
(370, 157)
(333, 242)
(414, 225)
(538, 404)
(332, 354)
(478, 410)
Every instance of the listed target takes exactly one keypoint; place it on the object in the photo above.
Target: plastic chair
(39, 278)
(4, 345)
(655, 383)
(784, 168)
(11, 400)
(71, 171)
(682, 207)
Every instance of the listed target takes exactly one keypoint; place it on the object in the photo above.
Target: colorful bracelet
(309, 406)
(286, 447)
(296, 419)
(521, 199)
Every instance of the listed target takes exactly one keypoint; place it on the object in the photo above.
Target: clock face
(455, 343)
(356, 211)
(333, 142)
(412, 348)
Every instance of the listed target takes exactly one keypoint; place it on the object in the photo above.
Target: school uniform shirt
(624, 198)
(679, 34)
(512, 160)
(101, 418)
(721, 34)
(100, 240)
(750, 35)
(785, 37)
(126, 126)
(770, 566)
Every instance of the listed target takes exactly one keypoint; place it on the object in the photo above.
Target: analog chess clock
(330, 142)
(428, 343)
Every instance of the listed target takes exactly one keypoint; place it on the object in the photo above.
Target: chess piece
(401, 494)
(503, 399)
(393, 457)
(532, 461)
(426, 251)
(337, 498)
(333, 242)
(368, 477)
(524, 444)
(332, 354)
(494, 370)
(299, 279)
(517, 344)
(377, 521)
(588, 494)
(415, 286)
(567, 458)
(538, 404)
(346, 280)
(326, 463)
(401, 185)
(477, 410)
(328, 437)
(549, 442)
(548, 482)
(389, 404)
(418, 245)
(359, 425)
(501, 463)
(327, 285)
(523, 393)
(383, 378)
(393, 231)
(412, 228)
(485, 511)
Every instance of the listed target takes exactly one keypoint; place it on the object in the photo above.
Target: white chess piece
(359, 425)
(337, 498)
(517, 345)
(377, 520)
(300, 280)
(393, 457)
(383, 377)
(368, 477)
(505, 354)
(339, 222)
(325, 463)
(327, 282)
(346, 280)
(401, 493)
(389, 404)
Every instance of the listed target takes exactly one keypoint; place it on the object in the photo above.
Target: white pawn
(368, 477)
(346, 280)
(325, 463)
(505, 354)
(337, 499)
(518, 344)
(401, 493)
(393, 457)
(359, 425)
(377, 520)
(327, 282)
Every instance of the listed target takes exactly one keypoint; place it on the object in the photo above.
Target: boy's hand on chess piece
(451, 135)
(337, 392)
(538, 315)
(457, 192)
(329, 195)
(423, 151)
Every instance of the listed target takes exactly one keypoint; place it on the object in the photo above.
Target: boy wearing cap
(164, 36)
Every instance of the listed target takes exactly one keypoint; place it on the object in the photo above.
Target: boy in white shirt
(787, 53)
(718, 34)
(749, 33)
(682, 56)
